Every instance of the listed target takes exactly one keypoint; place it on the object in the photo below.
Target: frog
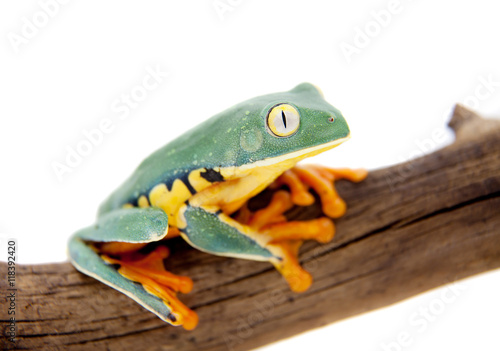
(198, 187)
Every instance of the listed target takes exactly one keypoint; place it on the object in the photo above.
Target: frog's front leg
(265, 237)
(108, 251)
(322, 180)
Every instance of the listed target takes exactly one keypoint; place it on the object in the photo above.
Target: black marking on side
(189, 186)
(212, 175)
(183, 177)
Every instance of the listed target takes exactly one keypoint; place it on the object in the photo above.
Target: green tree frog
(198, 185)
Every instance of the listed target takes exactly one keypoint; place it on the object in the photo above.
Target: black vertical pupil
(283, 117)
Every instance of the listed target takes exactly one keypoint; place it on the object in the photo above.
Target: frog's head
(288, 126)
(262, 131)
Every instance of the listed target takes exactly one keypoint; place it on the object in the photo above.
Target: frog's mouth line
(296, 156)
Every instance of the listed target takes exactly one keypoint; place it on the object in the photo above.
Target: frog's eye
(283, 120)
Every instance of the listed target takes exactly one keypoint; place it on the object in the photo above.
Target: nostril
(331, 119)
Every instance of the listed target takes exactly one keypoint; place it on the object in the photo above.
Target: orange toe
(298, 278)
(280, 203)
(300, 194)
(319, 229)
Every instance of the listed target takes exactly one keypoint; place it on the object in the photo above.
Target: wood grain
(409, 228)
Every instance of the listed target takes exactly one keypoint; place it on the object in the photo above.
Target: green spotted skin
(234, 137)
(206, 232)
(159, 194)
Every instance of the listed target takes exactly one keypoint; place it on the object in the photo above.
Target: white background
(63, 68)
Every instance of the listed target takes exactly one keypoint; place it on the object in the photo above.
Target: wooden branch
(409, 228)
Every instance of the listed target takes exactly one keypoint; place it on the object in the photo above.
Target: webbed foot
(288, 236)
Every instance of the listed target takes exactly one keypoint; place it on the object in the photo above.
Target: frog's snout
(339, 126)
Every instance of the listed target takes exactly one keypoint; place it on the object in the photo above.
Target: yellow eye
(283, 120)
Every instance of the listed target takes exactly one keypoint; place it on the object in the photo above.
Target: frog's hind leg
(150, 272)
(109, 252)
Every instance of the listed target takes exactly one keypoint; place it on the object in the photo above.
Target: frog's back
(232, 138)
(177, 159)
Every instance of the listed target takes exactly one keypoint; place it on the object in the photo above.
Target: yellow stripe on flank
(143, 202)
(170, 201)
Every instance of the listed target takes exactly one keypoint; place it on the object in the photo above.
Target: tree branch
(409, 228)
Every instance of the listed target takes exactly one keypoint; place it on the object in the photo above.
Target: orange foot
(286, 237)
(150, 272)
(321, 179)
